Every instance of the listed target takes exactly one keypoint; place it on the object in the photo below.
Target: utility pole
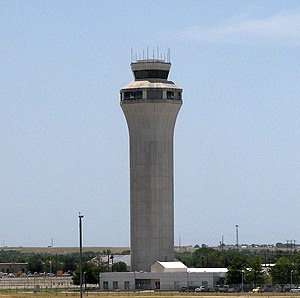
(80, 216)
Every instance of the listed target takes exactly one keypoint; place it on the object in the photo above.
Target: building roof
(180, 267)
(168, 267)
(172, 265)
(208, 270)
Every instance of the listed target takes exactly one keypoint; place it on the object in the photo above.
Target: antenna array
(154, 54)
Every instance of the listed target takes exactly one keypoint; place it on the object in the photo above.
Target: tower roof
(150, 69)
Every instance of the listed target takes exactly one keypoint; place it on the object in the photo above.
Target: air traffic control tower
(151, 104)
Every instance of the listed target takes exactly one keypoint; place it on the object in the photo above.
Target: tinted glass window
(151, 74)
(170, 95)
(154, 94)
(133, 95)
(105, 285)
(115, 285)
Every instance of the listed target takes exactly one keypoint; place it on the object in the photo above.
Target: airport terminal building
(165, 276)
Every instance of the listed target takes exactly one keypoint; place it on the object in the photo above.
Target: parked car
(257, 290)
(295, 290)
(222, 288)
(188, 289)
(201, 289)
(183, 289)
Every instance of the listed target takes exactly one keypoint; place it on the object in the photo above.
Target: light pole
(112, 262)
(100, 281)
(188, 281)
(108, 252)
(242, 272)
(50, 271)
(84, 282)
(291, 278)
(80, 216)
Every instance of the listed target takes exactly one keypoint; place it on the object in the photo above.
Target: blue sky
(64, 139)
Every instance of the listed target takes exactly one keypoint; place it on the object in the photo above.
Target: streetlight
(84, 282)
(100, 280)
(50, 273)
(291, 278)
(187, 281)
(112, 262)
(80, 216)
(108, 254)
(242, 272)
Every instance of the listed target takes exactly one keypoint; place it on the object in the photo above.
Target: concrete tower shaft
(151, 104)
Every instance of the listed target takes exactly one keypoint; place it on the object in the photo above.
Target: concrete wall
(151, 104)
(151, 126)
(167, 281)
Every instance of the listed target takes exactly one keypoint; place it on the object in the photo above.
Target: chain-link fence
(36, 283)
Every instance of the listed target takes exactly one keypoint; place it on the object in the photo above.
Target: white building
(167, 276)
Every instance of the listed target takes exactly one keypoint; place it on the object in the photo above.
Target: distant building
(169, 276)
(13, 267)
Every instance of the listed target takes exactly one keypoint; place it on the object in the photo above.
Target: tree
(119, 267)
(207, 257)
(35, 263)
(281, 272)
(296, 268)
(185, 257)
(254, 273)
(235, 271)
(91, 273)
(70, 262)
(230, 256)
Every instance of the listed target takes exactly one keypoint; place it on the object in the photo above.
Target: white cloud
(283, 28)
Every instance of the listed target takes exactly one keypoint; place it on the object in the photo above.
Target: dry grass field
(64, 250)
(149, 294)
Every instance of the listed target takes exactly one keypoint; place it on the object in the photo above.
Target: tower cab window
(170, 95)
(133, 95)
(151, 74)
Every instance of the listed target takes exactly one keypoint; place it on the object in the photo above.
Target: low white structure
(163, 267)
(167, 276)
